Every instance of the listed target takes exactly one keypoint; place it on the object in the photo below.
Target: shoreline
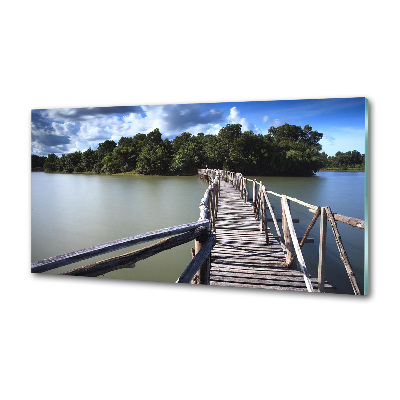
(342, 170)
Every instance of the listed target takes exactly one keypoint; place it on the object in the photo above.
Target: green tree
(155, 156)
(296, 151)
(128, 150)
(349, 159)
(214, 157)
(180, 141)
(62, 163)
(111, 164)
(154, 137)
(153, 160)
(88, 160)
(106, 148)
(228, 137)
(73, 162)
(37, 161)
(189, 157)
(51, 163)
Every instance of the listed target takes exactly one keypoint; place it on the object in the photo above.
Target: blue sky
(342, 121)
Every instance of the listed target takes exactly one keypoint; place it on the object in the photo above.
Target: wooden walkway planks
(241, 257)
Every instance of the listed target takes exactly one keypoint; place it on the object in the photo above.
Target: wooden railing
(201, 231)
(209, 203)
(288, 239)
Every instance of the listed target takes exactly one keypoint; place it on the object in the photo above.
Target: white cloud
(235, 118)
(276, 122)
(266, 118)
(207, 129)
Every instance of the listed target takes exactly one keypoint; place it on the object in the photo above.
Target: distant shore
(342, 170)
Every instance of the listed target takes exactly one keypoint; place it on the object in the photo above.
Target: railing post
(259, 199)
(254, 195)
(213, 203)
(264, 218)
(203, 274)
(217, 195)
(261, 213)
(210, 207)
(286, 233)
(322, 251)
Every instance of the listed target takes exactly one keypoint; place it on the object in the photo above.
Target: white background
(66, 338)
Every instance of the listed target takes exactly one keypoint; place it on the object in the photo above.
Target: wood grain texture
(241, 257)
(356, 222)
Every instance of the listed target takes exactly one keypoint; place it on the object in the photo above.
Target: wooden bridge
(234, 245)
(246, 254)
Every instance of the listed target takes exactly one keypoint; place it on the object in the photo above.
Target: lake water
(71, 212)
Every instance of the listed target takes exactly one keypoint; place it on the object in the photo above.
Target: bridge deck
(241, 256)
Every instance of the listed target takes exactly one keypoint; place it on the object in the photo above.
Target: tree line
(345, 161)
(286, 150)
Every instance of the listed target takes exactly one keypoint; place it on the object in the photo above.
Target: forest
(287, 150)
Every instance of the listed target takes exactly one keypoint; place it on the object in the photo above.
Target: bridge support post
(286, 234)
(322, 251)
(264, 217)
(254, 195)
(202, 276)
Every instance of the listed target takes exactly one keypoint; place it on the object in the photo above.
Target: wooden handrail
(128, 260)
(89, 252)
(356, 222)
(303, 203)
(209, 202)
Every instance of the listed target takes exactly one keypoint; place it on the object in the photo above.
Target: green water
(71, 212)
